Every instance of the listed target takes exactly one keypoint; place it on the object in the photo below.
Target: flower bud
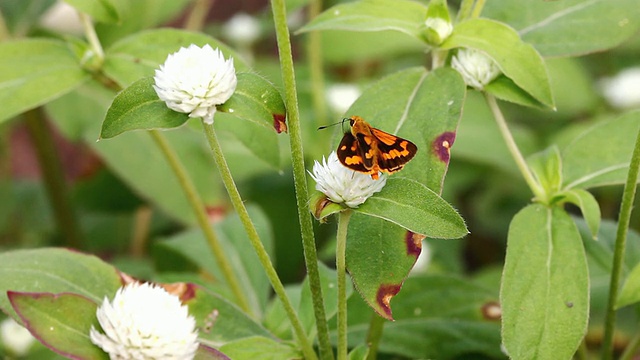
(476, 68)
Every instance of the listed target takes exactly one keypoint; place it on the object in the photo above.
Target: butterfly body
(369, 150)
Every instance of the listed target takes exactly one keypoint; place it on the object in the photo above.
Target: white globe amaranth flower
(343, 185)
(623, 90)
(17, 340)
(144, 321)
(476, 68)
(195, 80)
(341, 96)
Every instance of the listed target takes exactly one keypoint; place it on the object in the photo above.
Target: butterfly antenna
(336, 123)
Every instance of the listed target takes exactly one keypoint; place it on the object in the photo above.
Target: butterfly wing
(393, 152)
(350, 153)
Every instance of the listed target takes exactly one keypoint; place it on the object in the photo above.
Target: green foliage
(545, 286)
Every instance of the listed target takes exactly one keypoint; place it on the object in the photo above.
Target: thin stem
(236, 200)
(198, 15)
(92, 37)
(341, 269)
(438, 58)
(299, 175)
(314, 54)
(53, 177)
(631, 348)
(465, 10)
(477, 9)
(376, 326)
(203, 221)
(535, 187)
(142, 223)
(624, 217)
(4, 31)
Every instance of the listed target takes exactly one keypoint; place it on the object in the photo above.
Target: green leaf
(61, 322)
(237, 247)
(345, 47)
(140, 15)
(21, 16)
(545, 286)
(208, 353)
(415, 207)
(569, 27)
(588, 206)
(516, 59)
(139, 108)
(138, 55)
(379, 257)
(55, 271)
(33, 72)
(260, 348)
(423, 107)
(436, 317)
(547, 168)
(108, 11)
(261, 111)
(359, 353)
(600, 155)
(505, 89)
(630, 293)
(372, 15)
(221, 321)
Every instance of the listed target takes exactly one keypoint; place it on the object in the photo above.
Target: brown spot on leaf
(414, 243)
(442, 145)
(384, 296)
(492, 311)
(279, 123)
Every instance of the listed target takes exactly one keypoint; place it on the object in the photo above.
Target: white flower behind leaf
(476, 68)
(195, 80)
(343, 185)
(623, 90)
(144, 321)
(16, 339)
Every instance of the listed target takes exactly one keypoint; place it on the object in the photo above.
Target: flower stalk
(203, 221)
(535, 187)
(92, 37)
(297, 159)
(341, 269)
(624, 219)
(254, 238)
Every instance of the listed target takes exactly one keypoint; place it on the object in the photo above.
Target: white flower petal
(195, 80)
(343, 185)
(623, 90)
(145, 322)
(15, 338)
(476, 68)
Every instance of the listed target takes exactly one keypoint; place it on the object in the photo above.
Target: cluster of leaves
(550, 274)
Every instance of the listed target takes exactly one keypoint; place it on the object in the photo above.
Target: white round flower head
(343, 185)
(15, 338)
(476, 68)
(145, 322)
(195, 80)
(623, 90)
(341, 96)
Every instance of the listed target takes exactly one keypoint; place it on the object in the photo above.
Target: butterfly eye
(351, 121)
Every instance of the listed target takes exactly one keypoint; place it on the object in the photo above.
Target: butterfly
(369, 150)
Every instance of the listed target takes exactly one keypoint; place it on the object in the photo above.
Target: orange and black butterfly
(370, 150)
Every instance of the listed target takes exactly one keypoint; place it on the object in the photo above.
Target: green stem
(624, 217)
(535, 187)
(314, 53)
(299, 176)
(341, 269)
(53, 177)
(477, 9)
(465, 10)
(263, 256)
(631, 348)
(4, 31)
(203, 221)
(198, 15)
(376, 326)
(92, 37)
